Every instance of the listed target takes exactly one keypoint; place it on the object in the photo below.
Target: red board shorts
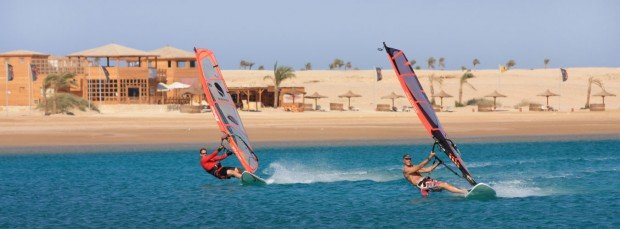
(428, 184)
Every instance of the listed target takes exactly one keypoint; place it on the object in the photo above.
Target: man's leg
(235, 172)
(451, 188)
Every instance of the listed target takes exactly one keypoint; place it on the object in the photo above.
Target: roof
(349, 94)
(22, 52)
(495, 94)
(548, 93)
(112, 50)
(604, 93)
(392, 96)
(315, 95)
(169, 52)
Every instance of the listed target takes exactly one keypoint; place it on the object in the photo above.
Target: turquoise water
(543, 184)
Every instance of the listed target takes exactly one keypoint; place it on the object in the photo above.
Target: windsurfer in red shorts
(425, 184)
(211, 164)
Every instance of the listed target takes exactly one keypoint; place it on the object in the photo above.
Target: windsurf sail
(415, 93)
(224, 109)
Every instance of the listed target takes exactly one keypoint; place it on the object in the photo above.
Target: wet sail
(224, 109)
(415, 93)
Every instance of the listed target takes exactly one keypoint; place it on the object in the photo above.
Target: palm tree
(250, 64)
(243, 64)
(546, 62)
(412, 62)
(431, 80)
(337, 63)
(261, 67)
(442, 63)
(348, 65)
(591, 81)
(308, 66)
(510, 64)
(431, 62)
(467, 75)
(61, 102)
(280, 74)
(476, 62)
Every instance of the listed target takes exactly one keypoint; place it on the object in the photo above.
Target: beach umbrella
(442, 94)
(392, 96)
(603, 93)
(349, 95)
(316, 96)
(494, 94)
(162, 87)
(548, 94)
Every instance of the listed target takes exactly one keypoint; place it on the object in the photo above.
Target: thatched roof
(315, 95)
(169, 52)
(22, 52)
(392, 96)
(548, 93)
(442, 94)
(495, 94)
(604, 93)
(111, 50)
(349, 94)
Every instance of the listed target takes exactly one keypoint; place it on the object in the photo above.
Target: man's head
(203, 151)
(407, 159)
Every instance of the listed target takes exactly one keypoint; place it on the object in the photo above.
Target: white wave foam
(298, 173)
(518, 188)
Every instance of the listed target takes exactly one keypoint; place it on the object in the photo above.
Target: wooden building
(23, 90)
(129, 78)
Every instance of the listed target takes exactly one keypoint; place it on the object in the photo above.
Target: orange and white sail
(224, 109)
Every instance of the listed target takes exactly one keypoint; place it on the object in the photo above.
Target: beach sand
(270, 126)
(301, 128)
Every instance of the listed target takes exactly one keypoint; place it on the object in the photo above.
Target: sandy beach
(120, 125)
(300, 128)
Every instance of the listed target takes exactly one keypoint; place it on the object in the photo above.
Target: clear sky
(570, 33)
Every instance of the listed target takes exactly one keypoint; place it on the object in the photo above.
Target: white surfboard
(251, 179)
(481, 191)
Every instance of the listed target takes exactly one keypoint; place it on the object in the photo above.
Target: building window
(180, 64)
(192, 64)
(169, 64)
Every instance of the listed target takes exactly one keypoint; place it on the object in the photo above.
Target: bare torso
(413, 177)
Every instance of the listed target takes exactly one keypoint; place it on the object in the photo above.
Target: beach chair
(352, 108)
(597, 107)
(318, 108)
(336, 107)
(308, 107)
(383, 107)
(407, 109)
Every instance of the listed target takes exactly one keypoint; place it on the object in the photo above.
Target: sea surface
(560, 184)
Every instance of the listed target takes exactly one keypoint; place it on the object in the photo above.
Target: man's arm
(420, 167)
(223, 156)
(213, 155)
(429, 169)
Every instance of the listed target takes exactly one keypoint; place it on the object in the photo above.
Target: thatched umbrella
(442, 94)
(604, 93)
(349, 95)
(392, 96)
(316, 96)
(548, 94)
(495, 94)
(294, 92)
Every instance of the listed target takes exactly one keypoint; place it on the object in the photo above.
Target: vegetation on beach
(59, 101)
(596, 82)
(244, 64)
(430, 63)
(475, 62)
(546, 61)
(442, 63)
(480, 101)
(463, 81)
(525, 103)
(280, 74)
(510, 64)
